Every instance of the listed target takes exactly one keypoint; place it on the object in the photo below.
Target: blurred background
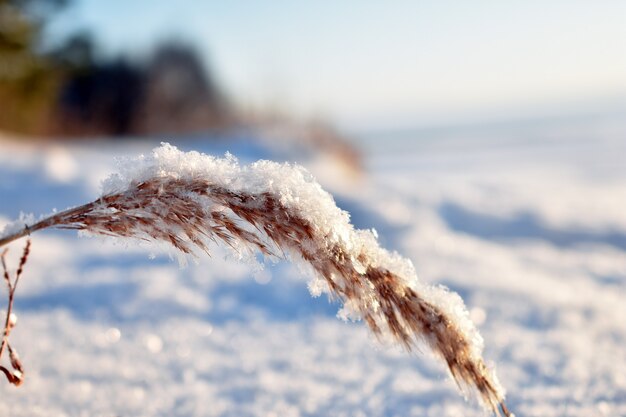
(485, 141)
(320, 72)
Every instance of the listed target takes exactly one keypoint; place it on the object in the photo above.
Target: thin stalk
(51, 221)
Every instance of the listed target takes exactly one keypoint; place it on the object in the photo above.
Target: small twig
(505, 410)
(15, 359)
(15, 377)
(11, 377)
(23, 260)
(4, 267)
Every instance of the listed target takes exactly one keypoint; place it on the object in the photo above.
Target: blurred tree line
(27, 80)
(67, 92)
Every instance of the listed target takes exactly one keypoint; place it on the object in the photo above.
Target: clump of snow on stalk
(295, 186)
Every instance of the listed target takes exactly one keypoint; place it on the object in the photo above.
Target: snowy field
(526, 222)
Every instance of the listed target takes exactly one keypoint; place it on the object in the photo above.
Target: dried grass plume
(189, 200)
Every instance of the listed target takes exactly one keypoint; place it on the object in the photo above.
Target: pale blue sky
(386, 63)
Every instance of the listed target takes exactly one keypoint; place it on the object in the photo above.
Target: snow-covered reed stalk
(190, 199)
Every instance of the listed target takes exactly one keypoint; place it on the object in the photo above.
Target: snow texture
(525, 223)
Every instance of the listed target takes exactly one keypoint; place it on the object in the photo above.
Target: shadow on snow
(523, 226)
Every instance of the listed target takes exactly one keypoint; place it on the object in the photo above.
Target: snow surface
(526, 224)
